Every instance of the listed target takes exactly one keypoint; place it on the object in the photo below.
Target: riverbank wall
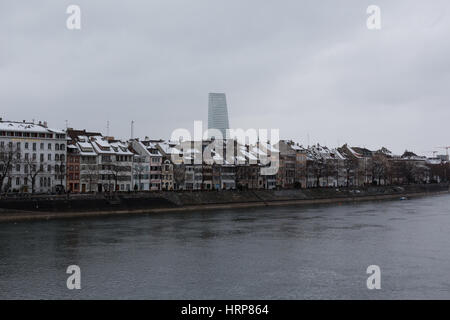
(41, 207)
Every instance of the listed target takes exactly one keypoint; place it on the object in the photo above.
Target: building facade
(32, 158)
(218, 113)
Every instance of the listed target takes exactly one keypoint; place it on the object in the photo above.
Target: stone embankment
(63, 206)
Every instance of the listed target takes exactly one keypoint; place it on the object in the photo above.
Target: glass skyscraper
(218, 113)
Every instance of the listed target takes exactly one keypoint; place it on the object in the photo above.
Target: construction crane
(446, 148)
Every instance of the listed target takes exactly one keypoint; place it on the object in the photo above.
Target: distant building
(218, 113)
(32, 157)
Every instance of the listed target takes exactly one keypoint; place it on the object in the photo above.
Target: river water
(316, 252)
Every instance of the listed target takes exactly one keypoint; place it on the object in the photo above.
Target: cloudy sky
(310, 68)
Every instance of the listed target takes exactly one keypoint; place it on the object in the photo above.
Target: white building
(32, 157)
(115, 162)
(148, 151)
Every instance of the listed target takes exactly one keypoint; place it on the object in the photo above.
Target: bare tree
(60, 171)
(407, 171)
(338, 169)
(350, 167)
(138, 171)
(318, 166)
(90, 174)
(301, 174)
(33, 169)
(9, 156)
(115, 172)
(179, 174)
(421, 173)
(379, 168)
(330, 169)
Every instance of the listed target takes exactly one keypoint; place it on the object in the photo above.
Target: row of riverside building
(37, 159)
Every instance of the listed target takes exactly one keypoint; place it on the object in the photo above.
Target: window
(18, 145)
(18, 167)
(41, 157)
(34, 156)
(42, 146)
(57, 147)
(57, 157)
(26, 145)
(17, 181)
(26, 156)
(34, 146)
(49, 168)
(49, 157)
(49, 146)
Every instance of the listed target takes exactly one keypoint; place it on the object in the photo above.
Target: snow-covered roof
(101, 141)
(356, 154)
(434, 161)
(168, 148)
(26, 127)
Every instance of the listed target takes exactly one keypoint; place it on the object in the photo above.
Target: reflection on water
(318, 252)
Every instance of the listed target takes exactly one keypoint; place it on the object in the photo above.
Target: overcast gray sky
(305, 67)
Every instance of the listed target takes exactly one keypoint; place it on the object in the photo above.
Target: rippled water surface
(317, 252)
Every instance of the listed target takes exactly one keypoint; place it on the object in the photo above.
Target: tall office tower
(218, 113)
